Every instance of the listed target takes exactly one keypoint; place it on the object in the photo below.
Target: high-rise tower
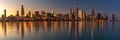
(75, 11)
(29, 13)
(113, 17)
(17, 14)
(22, 11)
(5, 12)
(93, 12)
(71, 11)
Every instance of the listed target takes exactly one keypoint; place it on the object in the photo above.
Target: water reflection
(4, 27)
(54, 30)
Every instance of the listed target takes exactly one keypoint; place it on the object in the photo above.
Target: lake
(59, 30)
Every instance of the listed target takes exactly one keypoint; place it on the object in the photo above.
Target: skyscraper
(71, 11)
(93, 12)
(22, 11)
(113, 17)
(84, 15)
(37, 14)
(75, 11)
(17, 14)
(52, 11)
(5, 12)
(81, 15)
(29, 13)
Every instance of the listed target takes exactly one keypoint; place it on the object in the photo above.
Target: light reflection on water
(59, 30)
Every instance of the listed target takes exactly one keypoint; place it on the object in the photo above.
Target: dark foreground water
(59, 30)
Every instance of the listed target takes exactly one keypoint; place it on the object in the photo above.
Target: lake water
(60, 30)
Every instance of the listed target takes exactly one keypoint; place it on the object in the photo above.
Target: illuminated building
(80, 15)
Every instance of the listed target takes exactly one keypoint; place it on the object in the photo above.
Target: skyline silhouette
(75, 14)
(59, 19)
(60, 6)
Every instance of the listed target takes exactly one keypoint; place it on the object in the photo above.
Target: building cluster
(74, 15)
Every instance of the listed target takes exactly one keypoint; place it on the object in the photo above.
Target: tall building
(93, 12)
(113, 17)
(43, 13)
(37, 14)
(81, 15)
(17, 14)
(33, 15)
(3, 17)
(30, 14)
(52, 11)
(84, 15)
(106, 17)
(75, 11)
(99, 16)
(71, 11)
(22, 11)
(5, 12)
(93, 16)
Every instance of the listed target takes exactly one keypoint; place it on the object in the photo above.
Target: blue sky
(62, 6)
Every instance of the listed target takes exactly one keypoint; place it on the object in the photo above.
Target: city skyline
(62, 6)
(59, 19)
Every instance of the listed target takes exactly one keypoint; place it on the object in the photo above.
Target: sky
(61, 6)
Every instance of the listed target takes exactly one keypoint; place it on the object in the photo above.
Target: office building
(22, 11)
